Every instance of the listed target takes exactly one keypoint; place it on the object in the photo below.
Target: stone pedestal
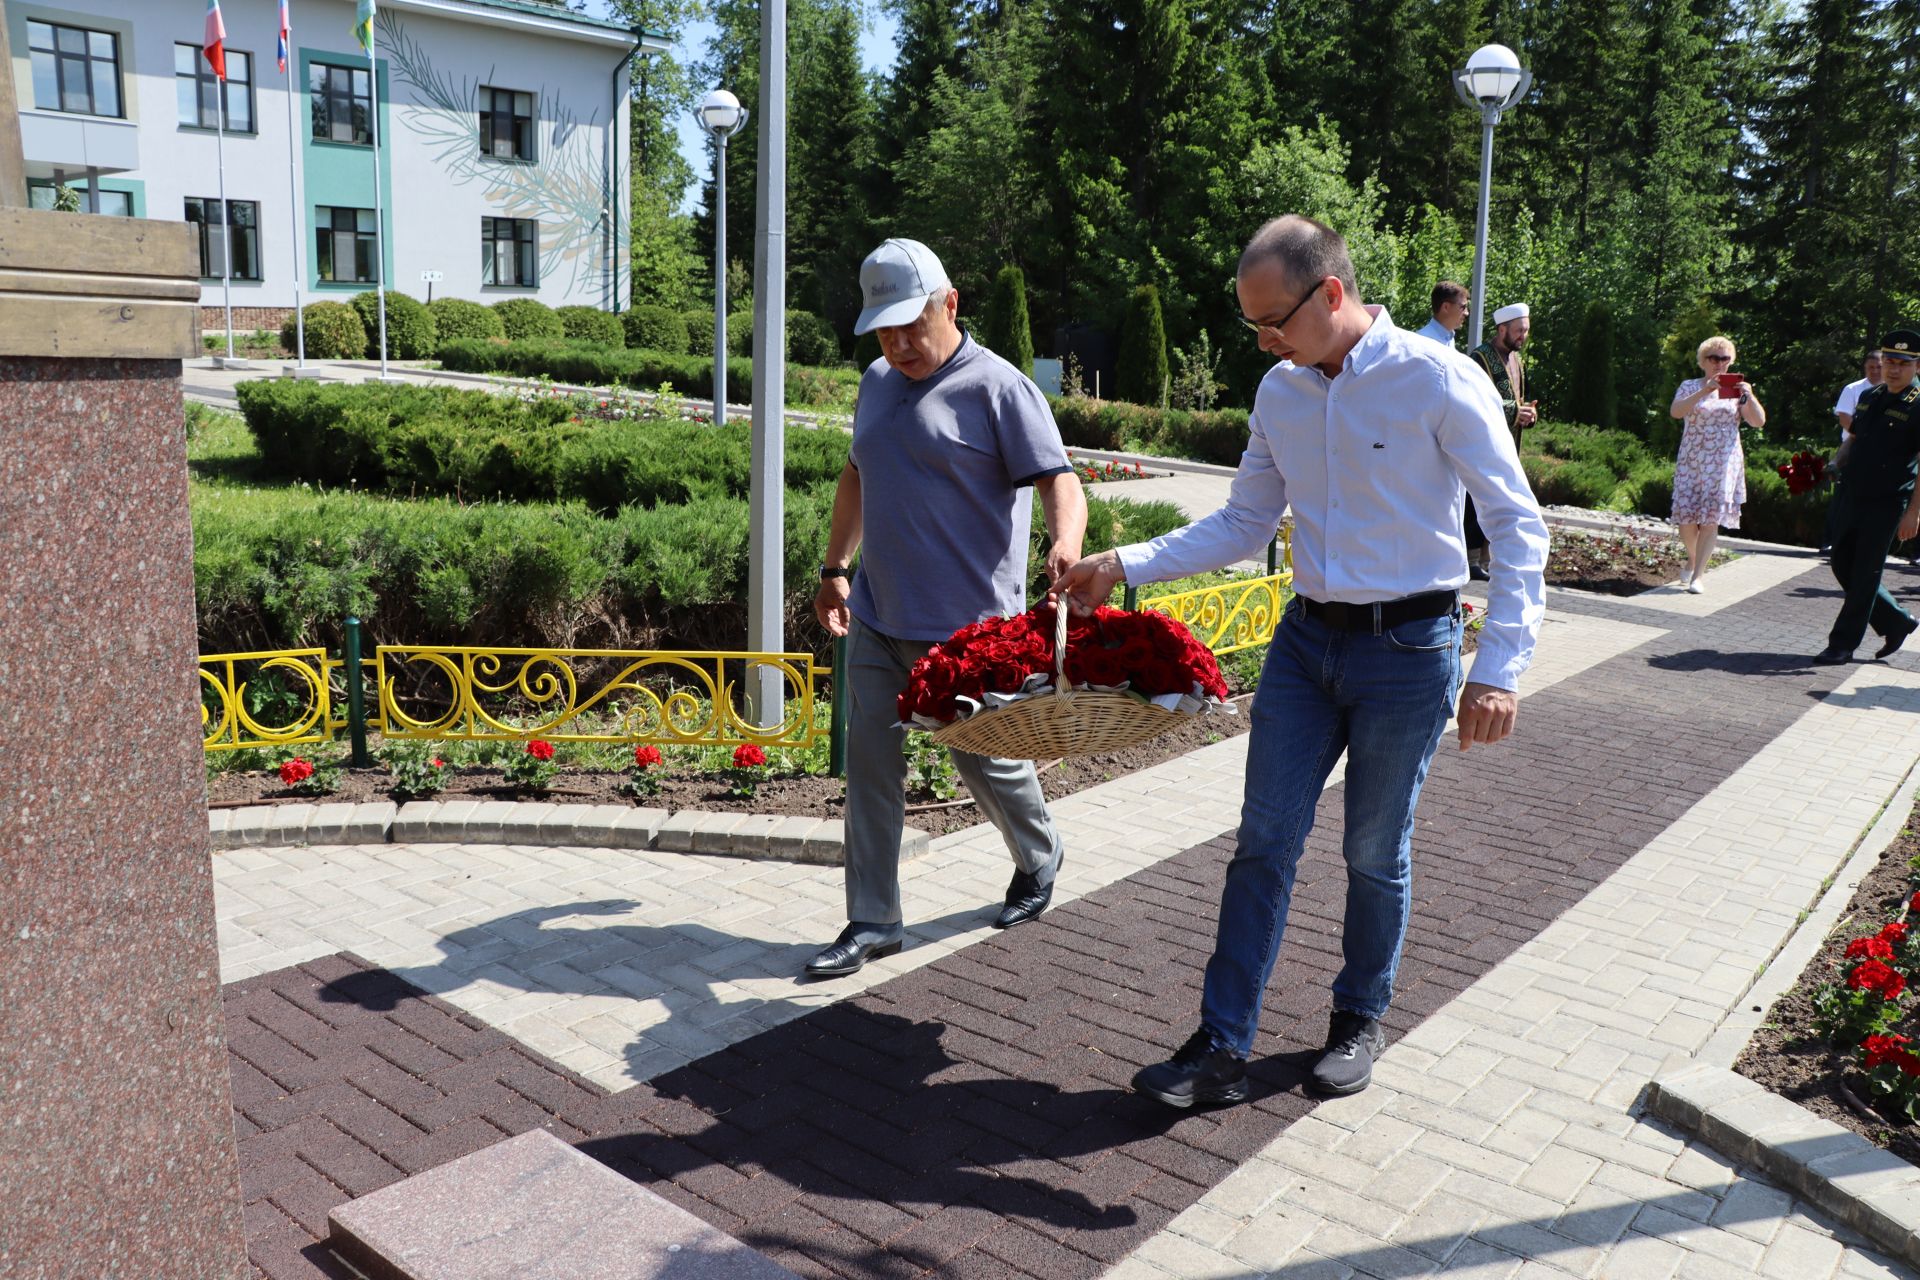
(116, 1126)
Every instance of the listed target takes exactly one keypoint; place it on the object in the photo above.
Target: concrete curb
(1873, 1191)
(594, 826)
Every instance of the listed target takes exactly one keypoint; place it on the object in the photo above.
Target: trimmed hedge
(642, 370)
(459, 318)
(473, 444)
(656, 329)
(1216, 435)
(699, 331)
(526, 318)
(334, 332)
(411, 331)
(810, 339)
(282, 567)
(739, 333)
(591, 324)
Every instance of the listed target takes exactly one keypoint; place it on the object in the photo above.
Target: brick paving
(970, 1116)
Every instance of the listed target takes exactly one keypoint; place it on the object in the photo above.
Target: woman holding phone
(1710, 476)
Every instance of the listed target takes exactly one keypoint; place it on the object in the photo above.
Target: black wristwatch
(833, 571)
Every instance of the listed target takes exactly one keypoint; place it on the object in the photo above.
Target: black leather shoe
(1891, 645)
(1353, 1041)
(1026, 898)
(1478, 573)
(1831, 657)
(857, 944)
(1203, 1072)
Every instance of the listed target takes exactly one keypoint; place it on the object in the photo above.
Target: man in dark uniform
(1499, 358)
(1877, 503)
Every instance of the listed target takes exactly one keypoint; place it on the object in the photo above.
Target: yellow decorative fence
(665, 697)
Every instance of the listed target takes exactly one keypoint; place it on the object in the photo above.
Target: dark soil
(800, 795)
(1614, 564)
(1787, 1056)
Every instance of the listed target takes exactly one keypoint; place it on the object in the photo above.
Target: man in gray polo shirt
(949, 440)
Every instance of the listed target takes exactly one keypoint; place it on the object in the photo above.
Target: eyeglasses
(1717, 359)
(1261, 326)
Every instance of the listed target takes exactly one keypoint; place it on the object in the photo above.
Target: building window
(74, 69)
(242, 230)
(342, 103)
(508, 251)
(194, 85)
(44, 195)
(348, 241)
(506, 124)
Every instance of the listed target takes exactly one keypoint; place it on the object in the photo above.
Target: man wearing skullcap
(1877, 503)
(1499, 359)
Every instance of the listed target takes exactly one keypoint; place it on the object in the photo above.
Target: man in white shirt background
(1373, 436)
(1450, 307)
(1843, 410)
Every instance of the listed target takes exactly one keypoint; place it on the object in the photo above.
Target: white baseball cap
(895, 282)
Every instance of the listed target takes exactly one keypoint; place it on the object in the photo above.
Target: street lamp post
(721, 115)
(1493, 81)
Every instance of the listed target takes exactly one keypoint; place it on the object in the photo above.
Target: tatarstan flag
(214, 43)
(363, 25)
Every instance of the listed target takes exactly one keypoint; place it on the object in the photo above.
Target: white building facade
(503, 143)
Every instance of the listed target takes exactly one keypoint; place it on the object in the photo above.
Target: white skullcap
(1515, 312)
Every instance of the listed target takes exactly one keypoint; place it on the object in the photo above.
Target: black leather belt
(1376, 617)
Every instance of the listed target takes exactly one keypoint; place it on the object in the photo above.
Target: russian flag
(214, 43)
(283, 37)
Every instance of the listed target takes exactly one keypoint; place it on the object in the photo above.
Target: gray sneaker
(1353, 1042)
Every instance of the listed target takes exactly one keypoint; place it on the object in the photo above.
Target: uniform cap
(1901, 344)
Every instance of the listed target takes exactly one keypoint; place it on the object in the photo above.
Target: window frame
(203, 82)
(327, 249)
(250, 238)
(328, 96)
(525, 147)
(53, 188)
(491, 241)
(90, 60)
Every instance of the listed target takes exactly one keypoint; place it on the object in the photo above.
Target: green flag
(363, 25)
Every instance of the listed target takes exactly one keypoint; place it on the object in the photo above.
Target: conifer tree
(1142, 375)
(1005, 329)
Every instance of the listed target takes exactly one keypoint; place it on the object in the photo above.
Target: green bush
(740, 333)
(866, 349)
(459, 318)
(1772, 514)
(642, 370)
(1143, 377)
(334, 332)
(1577, 484)
(1648, 491)
(657, 329)
(1005, 329)
(1618, 451)
(526, 318)
(1217, 435)
(699, 324)
(1590, 387)
(591, 324)
(411, 332)
(811, 340)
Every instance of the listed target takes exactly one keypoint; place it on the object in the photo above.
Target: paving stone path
(1592, 901)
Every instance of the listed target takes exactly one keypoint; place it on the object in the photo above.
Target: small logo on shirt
(1379, 446)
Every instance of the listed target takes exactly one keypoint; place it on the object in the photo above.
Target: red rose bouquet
(1004, 660)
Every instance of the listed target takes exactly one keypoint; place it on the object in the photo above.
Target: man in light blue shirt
(1450, 309)
(1373, 436)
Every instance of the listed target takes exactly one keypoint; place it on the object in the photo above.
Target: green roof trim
(544, 9)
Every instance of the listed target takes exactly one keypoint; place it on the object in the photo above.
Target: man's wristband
(833, 571)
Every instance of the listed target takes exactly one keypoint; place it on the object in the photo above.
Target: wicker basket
(1062, 724)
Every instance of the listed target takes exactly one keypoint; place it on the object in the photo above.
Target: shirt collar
(1373, 343)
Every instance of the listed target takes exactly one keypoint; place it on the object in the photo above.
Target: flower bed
(1844, 1042)
(1618, 564)
(1107, 471)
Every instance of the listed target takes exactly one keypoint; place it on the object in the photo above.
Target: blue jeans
(1383, 700)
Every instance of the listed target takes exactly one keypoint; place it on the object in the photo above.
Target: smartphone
(1730, 384)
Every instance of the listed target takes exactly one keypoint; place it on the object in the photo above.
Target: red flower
(437, 763)
(1870, 949)
(1894, 934)
(746, 756)
(540, 749)
(646, 757)
(1893, 1049)
(1871, 975)
(1914, 905)
(295, 771)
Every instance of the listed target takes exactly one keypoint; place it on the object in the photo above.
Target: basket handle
(1060, 647)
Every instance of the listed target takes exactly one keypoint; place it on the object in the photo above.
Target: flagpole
(226, 219)
(379, 216)
(293, 198)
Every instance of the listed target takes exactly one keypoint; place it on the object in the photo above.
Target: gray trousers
(1007, 791)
